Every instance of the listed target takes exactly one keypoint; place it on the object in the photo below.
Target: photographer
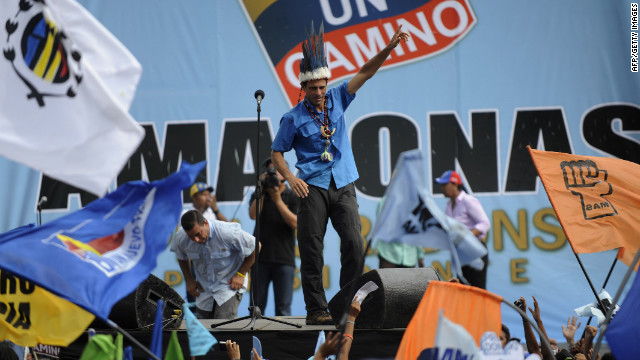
(278, 222)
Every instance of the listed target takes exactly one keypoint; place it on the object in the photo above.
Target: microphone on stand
(259, 95)
(42, 200)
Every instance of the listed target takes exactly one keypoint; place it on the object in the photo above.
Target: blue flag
(156, 336)
(200, 339)
(622, 333)
(98, 255)
(127, 354)
(409, 216)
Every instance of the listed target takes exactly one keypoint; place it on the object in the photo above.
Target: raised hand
(397, 37)
(570, 331)
(535, 312)
(329, 346)
(233, 350)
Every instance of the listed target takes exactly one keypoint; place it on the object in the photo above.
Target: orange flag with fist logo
(596, 199)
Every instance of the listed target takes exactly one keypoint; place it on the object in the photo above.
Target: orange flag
(596, 199)
(475, 309)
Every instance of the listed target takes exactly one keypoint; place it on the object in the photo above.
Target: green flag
(174, 351)
(100, 347)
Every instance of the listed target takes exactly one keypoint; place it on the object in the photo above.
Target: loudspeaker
(393, 304)
(138, 309)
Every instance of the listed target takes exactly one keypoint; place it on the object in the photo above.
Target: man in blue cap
(204, 200)
(468, 210)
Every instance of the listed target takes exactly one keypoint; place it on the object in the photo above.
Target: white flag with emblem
(409, 216)
(67, 84)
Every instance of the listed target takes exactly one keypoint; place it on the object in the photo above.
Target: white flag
(593, 309)
(453, 341)
(67, 84)
(409, 215)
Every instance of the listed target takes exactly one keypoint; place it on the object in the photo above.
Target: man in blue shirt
(315, 128)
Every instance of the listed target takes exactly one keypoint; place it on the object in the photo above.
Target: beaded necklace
(324, 124)
(325, 131)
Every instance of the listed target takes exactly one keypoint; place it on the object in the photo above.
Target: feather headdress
(313, 65)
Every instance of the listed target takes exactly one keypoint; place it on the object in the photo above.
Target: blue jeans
(282, 277)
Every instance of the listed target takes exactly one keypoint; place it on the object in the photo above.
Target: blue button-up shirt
(215, 261)
(299, 131)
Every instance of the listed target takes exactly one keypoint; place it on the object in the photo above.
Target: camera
(271, 179)
(518, 303)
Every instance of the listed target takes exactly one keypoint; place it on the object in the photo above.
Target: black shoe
(319, 318)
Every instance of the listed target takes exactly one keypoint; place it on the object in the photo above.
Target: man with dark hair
(278, 224)
(317, 130)
(222, 254)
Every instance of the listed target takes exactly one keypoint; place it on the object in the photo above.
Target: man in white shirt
(221, 254)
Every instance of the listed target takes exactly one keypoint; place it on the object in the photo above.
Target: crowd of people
(571, 350)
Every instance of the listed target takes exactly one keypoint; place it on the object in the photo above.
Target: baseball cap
(449, 176)
(198, 187)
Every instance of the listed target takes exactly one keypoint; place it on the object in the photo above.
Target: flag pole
(132, 339)
(607, 319)
(606, 280)
(584, 271)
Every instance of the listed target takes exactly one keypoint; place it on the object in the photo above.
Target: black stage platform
(279, 341)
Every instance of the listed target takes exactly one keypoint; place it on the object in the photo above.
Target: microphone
(259, 95)
(43, 200)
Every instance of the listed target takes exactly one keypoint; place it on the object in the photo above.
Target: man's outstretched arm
(372, 66)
